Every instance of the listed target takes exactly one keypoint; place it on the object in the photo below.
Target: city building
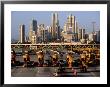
(33, 28)
(94, 36)
(34, 25)
(58, 33)
(22, 34)
(49, 36)
(71, 27)
(71, 23)
(42, 34)
(81, 34)
(98, 36)
(91, 37)
(65, 27)
(34, 39)
(76, 30)
(55, 26)
(67, 37)
(54, 33)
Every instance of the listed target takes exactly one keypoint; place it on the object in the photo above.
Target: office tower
(65, 27)
(26, 39)
(22, 34)
(95, 36)
(49, 28)
(55, 25)
(46, 35)
(34, 39)
(91, 37)
(30, 34)
(34, 26)
(98, 36)
(86, 36)
(76, 27)
(71, 23)
(81, 34)
(58, 33)
(40, 28)
(76, 30)
(42, 33)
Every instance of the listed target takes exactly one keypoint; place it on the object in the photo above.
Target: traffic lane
(46, 71)
(33, 72)
(23, 72)
(46, 57)
(50, 71)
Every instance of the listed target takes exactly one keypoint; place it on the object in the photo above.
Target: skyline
(17, 18)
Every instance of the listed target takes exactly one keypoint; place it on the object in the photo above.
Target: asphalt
(50, 71)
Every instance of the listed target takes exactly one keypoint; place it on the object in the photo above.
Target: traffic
(55, 58)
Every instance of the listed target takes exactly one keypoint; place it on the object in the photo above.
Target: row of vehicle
(54, 60)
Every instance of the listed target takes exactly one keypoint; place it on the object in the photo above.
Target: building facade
(22, 34)
(81, 34)
(55, 26)
(33, 30)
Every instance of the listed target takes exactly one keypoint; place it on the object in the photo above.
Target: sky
(84, 19)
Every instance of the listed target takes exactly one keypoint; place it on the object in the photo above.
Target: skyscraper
(34, 26)
(71, 27)
(71, 23)
(81, 34)
(22, 34)
(55, 25)
(98, 36)
(42, 33)
(76, 30)
(49, 28)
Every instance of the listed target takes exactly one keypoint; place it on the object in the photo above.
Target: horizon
(17, 18)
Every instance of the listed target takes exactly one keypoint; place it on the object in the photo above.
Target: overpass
(68, 46)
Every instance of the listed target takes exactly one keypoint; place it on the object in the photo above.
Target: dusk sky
(84, 19)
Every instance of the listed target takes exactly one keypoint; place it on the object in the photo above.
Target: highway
(49, 72)
(20, 71)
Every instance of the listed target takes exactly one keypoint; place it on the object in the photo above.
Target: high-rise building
(81, 34)
(49, 36)
(33, 28)
(55, 25)
(71, 27)
(34, 39)
(71, 23)
(22, 34)
(30, 35)
(58, 33)
(95, 36)
(34, 25)
(76, 27)
(65, 27)
(98, 36)
(76, 30)
(91, 37)
(42, 33)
